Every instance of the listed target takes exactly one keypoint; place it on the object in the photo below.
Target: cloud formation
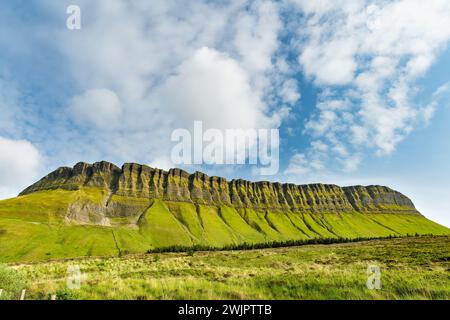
(161, 65)
(212, 87)
(367, 56)
(19, 165)
(97, 107)
(137, 70)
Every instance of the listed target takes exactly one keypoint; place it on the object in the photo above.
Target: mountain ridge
(102, 210)
(141, 181)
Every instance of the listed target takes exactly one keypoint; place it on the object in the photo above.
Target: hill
(101, 209)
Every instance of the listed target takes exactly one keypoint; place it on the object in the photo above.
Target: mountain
(101, 209)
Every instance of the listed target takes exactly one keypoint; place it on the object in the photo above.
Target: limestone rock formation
(136, 181)
(101, 210)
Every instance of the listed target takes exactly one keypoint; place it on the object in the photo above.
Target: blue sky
(359, 89)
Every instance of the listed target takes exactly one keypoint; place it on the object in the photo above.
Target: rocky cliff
(101, 209)
(143, 182)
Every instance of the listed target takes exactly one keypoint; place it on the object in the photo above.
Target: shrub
(123, 253)
(12, 282)
(67, 294)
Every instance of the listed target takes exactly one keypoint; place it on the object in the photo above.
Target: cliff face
(136, 181)
(101, 209)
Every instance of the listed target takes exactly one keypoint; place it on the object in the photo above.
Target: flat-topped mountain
(140, 181)
(101, 209)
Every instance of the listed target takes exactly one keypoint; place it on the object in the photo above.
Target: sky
(359, 90)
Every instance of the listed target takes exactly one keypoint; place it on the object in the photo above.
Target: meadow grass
(34, 227)
(411, 268)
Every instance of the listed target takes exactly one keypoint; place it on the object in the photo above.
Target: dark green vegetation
(273, 244)
(411, 268)
(12, 283)
(103, 210)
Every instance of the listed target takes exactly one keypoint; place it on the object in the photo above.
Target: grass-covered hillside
(410, 268)
(55, 224)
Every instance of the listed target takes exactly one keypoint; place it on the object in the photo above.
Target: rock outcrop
(103, 210)
(143, 182)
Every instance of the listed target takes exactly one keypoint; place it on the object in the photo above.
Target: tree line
(273, 244)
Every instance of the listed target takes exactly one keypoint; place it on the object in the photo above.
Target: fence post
(22, 295)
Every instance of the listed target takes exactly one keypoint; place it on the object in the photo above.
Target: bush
(67, 294)
(123, 253)
(12, 282)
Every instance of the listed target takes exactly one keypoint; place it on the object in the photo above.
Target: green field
(411, 268)
(44, 233)
(35, 227)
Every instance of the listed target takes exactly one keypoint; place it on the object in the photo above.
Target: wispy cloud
(139, 69)
(367, 57)
(161, 65)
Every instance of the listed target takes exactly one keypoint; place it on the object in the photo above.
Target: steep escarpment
(140, 181)
(100, 209)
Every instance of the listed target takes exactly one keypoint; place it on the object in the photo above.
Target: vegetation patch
(411, 268)
(12, 282)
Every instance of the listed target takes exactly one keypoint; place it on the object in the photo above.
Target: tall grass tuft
(12, 282)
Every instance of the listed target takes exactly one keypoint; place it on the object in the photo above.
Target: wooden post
(22, 296)
(1, 292)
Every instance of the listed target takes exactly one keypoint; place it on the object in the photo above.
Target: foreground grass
(411, 268)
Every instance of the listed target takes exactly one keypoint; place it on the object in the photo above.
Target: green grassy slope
(411, 268)
(33, 227)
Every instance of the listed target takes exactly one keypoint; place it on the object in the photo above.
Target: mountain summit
(140, 181)
(101, 209)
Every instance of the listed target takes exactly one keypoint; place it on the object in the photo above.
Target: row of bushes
(273, 244)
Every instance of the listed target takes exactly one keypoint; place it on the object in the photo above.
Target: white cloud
(340, 150)
(289, 91)
(257, 35)
(97, 107)
(8, 107)
(298, 165)
(371, 52)
(319, 146)
(330, 63)
(359, 135)
(429, 110)
(147, 55)
(325, 123)
(162, 163)
(352, 163)
(15, 114)
(212, 87)
(167, 63)
(301, 164)
(321, 7)
(19, 165)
